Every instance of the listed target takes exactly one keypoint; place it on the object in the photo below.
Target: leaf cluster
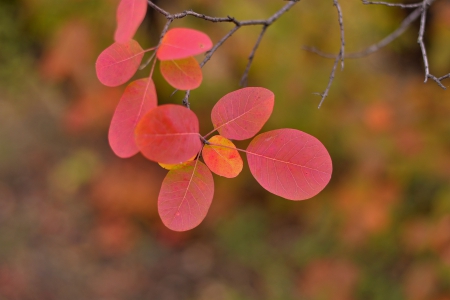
(286, 162)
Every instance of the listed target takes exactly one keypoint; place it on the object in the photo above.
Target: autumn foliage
(286, 162)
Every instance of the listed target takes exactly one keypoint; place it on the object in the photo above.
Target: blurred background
(76, 222)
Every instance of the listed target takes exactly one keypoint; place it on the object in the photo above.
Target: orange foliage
(378, 116)
(124, 190)
(420, 282)
(328, 279)
(92, 110)
(365, 210)
(59, 60)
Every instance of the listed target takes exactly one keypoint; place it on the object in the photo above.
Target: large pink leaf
(183, 74)
(186, 195)
(139, 98)
(180, 43)
(168, 134)
(130, 14)
(289, 163)
(239, 115)
(118, 63)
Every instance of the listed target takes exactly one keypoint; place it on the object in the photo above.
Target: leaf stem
(209, 133)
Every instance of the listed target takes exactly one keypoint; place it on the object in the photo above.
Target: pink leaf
(180, 43)
(239, 115)
(118, 63)
(183, 74)
(130, 14)
(168, 134)
(139, 98)
(289, 163)
(186, 195)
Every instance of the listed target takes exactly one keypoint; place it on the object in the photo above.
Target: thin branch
(265, 23)
(394, 4)
(186, 100)
(341, 26)
(330, 81)
(438, 80)
(218, 44)
(339, 57)
(377, 46)
(420, 39)
(244, 77)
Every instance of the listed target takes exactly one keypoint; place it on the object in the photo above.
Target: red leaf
(139, 98)
(168, 134)
(289, 163)
(185, 197)
(130, 14)
(118, 63)
(183, 42)
(224, 161)
(239, 115)
(183, 74)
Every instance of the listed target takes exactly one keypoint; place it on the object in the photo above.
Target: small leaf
(289, 163)
(118, 63)
(138, 98)
(183, 74)
(130, 14)
(185, 197)
(239, 115)
(180, 43)
(177, 166)
(168, 134)
(223, 161)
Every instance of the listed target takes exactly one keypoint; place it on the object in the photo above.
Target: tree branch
(420, 11)
(264, 23)
(339, 57)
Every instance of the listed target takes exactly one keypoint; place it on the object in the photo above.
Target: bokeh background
(76, 222)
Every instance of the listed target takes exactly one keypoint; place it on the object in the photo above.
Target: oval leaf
(183, 74)
(289, 163)
(138, 98)
(118, 63)
(224, 161)
(239, 115)
(180, 43)
(168, 134)
(185, 197)
(130, 14)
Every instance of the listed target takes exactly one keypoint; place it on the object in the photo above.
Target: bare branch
(186, 99)
(264, 23)
(330, 81)
(390, 38)
(341, 26)
(244, 78)
(340, 56)
(394, 4)
(218, 44)
(420, 39)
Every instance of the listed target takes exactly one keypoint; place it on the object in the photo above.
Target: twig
(218, 44)
(420, 11)
(243, 82)
(186, 100)
(394, 4)
(420, 39)
(377, 46)
(341, 27)
(265, 23)
(340, 56)
(333, 71)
